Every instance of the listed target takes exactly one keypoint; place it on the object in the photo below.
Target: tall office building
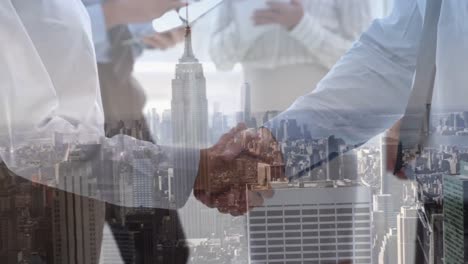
(166, 128)
(248, 118)
(407, 222)
(389, 247)
(189, 117)
(8, 217)
(77, 221)
(143, 180)
(387, 202)
(455, 189)
(349, 166)
(118, 245)
(312, 224)
(154, 124)
(189, 103)
(218, 124)
(430, 240)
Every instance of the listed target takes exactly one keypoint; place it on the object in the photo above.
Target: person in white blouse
(285, 44)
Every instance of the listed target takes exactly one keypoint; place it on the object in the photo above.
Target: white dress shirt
(48, 75)
(367, 91)
(49, 90)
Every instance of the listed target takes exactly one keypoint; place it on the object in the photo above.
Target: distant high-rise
(349, 166)
(247, 101)
(455, 189)
(333, 152)
(154, 124)
(143, 176)
(389, 247)
(430, 240)
(312, 225)
(118, 245)
(77, 220)
(218, 124)
(248, 118)
(166, 128)
(407, 222)
(8, 217)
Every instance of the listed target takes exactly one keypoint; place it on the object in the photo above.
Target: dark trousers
(158, 233)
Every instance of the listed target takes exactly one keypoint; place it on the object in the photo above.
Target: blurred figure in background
(122, 30)
(285, 45)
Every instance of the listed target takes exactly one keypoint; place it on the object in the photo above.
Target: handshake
(235, 174)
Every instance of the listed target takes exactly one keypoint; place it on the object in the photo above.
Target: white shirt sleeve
(367, 91)
(48, 75)
(48, 69)
(328, 45)
(51, 120)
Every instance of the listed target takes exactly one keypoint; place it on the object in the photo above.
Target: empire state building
(189, 119)
(189, 103)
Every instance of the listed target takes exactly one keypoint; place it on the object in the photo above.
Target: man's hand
(165, 40)
(228, 177)
(119, 12)
(285, 14)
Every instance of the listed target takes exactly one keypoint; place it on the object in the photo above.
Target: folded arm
(100, 27)
(328, 45)
(225, 47)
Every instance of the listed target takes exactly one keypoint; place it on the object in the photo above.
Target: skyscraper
(249, 120)
(312, 224)
(387, 202)
(189, 103)
(77, 220)
(166, 128)
(189, 116)
(407, 222)
(143, 187)
(389, 247)
(455, 190)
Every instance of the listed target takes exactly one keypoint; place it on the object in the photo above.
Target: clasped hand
(229, 178)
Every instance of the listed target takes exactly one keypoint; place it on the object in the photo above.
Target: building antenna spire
(188, 55)
(187, 15)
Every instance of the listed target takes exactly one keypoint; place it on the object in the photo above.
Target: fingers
(177, 34)
(278, 7)
(159, 41)
(177, 4)
(265, 16)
